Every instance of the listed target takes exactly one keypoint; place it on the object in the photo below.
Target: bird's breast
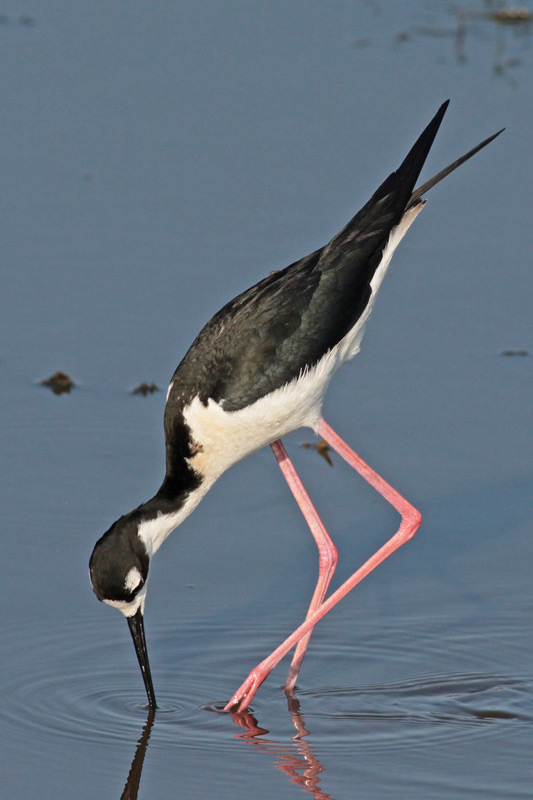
(221, 438)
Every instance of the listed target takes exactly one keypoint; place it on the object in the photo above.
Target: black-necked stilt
(258, 370)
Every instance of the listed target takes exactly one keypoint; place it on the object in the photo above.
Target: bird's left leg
(327, 552)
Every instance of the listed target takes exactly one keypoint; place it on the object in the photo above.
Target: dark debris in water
(145, 389)
(59, 383)
(511, 16)
(322, 448)
(25, 20)
(512, 352)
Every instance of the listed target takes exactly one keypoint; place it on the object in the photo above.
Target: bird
(258, 370)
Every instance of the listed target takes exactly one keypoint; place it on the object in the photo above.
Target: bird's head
(118, 568)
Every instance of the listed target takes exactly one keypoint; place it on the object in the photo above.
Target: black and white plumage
(258, 370)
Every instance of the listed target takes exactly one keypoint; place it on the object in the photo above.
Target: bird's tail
(370, 227)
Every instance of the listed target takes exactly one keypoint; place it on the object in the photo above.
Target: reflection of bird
(131, 789)
(258, 370)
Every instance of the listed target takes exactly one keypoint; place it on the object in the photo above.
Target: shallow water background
(156, 159)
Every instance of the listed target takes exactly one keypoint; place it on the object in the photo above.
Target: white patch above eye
(133, 579)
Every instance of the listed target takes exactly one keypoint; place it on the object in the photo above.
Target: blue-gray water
(156, 159)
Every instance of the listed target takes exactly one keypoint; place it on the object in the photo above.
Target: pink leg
(327, 553)
(411, 519)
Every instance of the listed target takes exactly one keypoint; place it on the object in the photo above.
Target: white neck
(153, 532)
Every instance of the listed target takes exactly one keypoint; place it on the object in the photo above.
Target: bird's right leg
(327, 553)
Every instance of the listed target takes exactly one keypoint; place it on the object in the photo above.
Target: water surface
(156, 160)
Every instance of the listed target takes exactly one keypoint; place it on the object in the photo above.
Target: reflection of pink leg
(327, 552)
(411, 519)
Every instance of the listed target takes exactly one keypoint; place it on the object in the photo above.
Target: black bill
(136, 626)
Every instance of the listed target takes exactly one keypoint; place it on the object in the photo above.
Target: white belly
(225, 437)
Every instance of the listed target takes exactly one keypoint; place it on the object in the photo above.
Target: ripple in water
(427, 709)
(52, 690)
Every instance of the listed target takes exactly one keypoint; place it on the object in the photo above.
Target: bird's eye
(133, 580)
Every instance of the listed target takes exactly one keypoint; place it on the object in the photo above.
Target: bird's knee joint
(328, 561)
(411, 522)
